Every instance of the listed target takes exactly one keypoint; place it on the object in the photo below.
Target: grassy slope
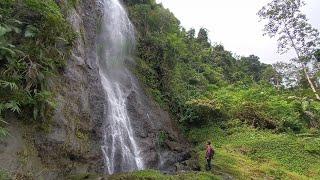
(177, 69)
(157, 175)
(247, 153)
(150, 174)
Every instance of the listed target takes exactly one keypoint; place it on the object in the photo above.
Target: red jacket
(209, 152)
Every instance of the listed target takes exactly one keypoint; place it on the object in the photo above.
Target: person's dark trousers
(208, 164)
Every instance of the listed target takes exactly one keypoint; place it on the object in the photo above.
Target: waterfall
(116, 41)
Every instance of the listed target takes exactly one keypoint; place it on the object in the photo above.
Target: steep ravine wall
(72, 143)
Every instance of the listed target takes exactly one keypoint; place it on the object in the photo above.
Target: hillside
(259, 130)
(90, 88)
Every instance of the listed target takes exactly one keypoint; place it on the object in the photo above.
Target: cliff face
(72, 143)
(157, 135)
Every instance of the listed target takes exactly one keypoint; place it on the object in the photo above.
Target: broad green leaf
(3, 31)
(31, 31)
(16, 30)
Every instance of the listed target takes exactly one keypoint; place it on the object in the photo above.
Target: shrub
(202, 111)
(253, 114)
(35, 40)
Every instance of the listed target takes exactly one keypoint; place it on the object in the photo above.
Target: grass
(156, 175)
(244, 152)
(151, 175)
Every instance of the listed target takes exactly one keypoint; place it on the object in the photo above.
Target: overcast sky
(234, 24)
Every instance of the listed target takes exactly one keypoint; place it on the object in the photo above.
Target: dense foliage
(201, 83)
(34, 43)
(253, 112)
(262, 118)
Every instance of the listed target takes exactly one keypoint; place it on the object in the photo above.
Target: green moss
(44, 127)
(74, 3)
(162, 137)
(82, 135)
(23, 157)
(4, 175)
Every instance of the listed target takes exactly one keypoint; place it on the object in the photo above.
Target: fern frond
(3, 132)
(2, 120)
(13, 106)
(11, 85)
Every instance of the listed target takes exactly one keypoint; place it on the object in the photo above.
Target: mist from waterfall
(116, 42)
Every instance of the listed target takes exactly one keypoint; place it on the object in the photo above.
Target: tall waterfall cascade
(116, 42)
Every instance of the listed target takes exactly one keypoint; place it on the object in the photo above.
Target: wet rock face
(158, 137)
(73, 143)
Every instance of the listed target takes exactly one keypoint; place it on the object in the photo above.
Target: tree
(287, 75)
(191, 33)
(252, 66)
(290, 25)
(316, 64)
(317, 55)
(203, 37)
(270, 75)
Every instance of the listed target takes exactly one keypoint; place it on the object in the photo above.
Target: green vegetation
(151, 175)
(156, 175)
(4, 175)
(245, 152)
(34, 43)
(291, 27)
(201, 83)
(263, 119)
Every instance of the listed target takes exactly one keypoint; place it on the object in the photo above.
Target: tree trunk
(310, 82)
(303, 65)
(278, 82)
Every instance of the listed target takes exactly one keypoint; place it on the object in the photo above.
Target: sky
(235, 25)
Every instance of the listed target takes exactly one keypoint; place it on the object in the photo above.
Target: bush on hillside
(34, 42)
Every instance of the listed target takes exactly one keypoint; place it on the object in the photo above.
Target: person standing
(209, 155)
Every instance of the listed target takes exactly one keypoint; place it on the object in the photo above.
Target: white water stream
(116, 43)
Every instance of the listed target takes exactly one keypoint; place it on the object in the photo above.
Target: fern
(6, 84)
(13, 106)
(3, 132)
(26, 63)
(3, 121)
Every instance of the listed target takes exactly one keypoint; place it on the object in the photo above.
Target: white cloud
(234, 24)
